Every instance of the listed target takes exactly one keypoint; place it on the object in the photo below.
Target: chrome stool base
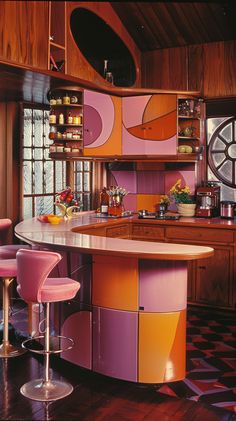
(7, 350)
(45, 391)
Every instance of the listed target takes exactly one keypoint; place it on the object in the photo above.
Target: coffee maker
(208, 200)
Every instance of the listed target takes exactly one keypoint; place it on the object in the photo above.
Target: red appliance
(208, 201)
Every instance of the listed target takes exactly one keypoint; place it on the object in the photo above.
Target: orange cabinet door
(115, 283)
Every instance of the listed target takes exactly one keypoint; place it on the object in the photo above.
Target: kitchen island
(129, 321)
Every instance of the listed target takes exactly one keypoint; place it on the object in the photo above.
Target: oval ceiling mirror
(99, 44)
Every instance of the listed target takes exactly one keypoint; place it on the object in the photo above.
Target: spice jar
(52, 118)
(61, 118)
(69, 119)
(76, 120)
(66, 99)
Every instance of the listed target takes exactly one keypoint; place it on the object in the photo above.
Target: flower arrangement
(66, 202)
(181, 194)
(117, 192)
(164, 199)
(116, 195)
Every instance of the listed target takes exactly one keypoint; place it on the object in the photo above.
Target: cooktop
(153, 215)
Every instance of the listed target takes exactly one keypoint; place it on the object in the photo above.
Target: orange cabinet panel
(115, 283)
(162, 347)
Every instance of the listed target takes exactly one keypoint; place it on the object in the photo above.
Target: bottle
(69, 119)
(59, 101)
(104, 201)
(53, 133)
(105, 68)
(52, 117)
(109, 77)
(52, 101)
(61, 118)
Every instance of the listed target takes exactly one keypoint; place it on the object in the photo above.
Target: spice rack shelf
(66, 123)
(189, 123)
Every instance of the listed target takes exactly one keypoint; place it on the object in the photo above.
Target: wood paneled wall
(9, 158)
(208, 68)
(24, 32)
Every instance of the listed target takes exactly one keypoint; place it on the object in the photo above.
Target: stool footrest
(57, 344)
(46, 391)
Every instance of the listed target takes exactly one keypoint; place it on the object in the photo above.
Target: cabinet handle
(201, 267)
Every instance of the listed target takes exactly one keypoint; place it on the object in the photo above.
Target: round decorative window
(222, 152)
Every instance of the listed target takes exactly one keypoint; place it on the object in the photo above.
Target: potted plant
(184, 200)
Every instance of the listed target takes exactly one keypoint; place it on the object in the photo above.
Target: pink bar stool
(8, 271)
(36, 287)
(5, 224)
(8, 251)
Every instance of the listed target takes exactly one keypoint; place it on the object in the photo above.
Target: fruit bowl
(54, 219)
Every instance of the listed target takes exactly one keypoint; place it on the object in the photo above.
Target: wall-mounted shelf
(68, 136)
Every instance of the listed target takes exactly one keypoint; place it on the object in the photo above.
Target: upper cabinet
(149, 125)
(24, 33)
(102, 124)
(98, 125)
(57, 37)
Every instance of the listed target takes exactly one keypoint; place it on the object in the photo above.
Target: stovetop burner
(155, 215)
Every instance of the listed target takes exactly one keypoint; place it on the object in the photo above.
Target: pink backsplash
(139, 182)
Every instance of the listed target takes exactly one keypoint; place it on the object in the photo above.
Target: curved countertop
(61, 237)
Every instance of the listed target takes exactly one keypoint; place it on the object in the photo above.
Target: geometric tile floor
(211, 361)
(211, 358)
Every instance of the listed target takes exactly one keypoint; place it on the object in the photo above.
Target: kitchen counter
(62, 236)
(129, 321)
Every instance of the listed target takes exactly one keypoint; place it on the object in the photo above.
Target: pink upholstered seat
(8, 268)
(33, 268)
(9, 251)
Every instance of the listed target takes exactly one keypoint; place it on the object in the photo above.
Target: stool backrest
(5, 224)
(33, 268)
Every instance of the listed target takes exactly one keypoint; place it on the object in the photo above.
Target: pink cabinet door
(115, 343)
(149, 125)
(162, 285)
(78, 326)
(102, 124)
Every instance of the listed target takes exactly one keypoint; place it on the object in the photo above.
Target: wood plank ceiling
(159, 25)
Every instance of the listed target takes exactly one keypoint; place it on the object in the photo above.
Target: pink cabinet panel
(78, 326)
(102, 124)
(115, 342)
(162, 285)
(149, 125)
